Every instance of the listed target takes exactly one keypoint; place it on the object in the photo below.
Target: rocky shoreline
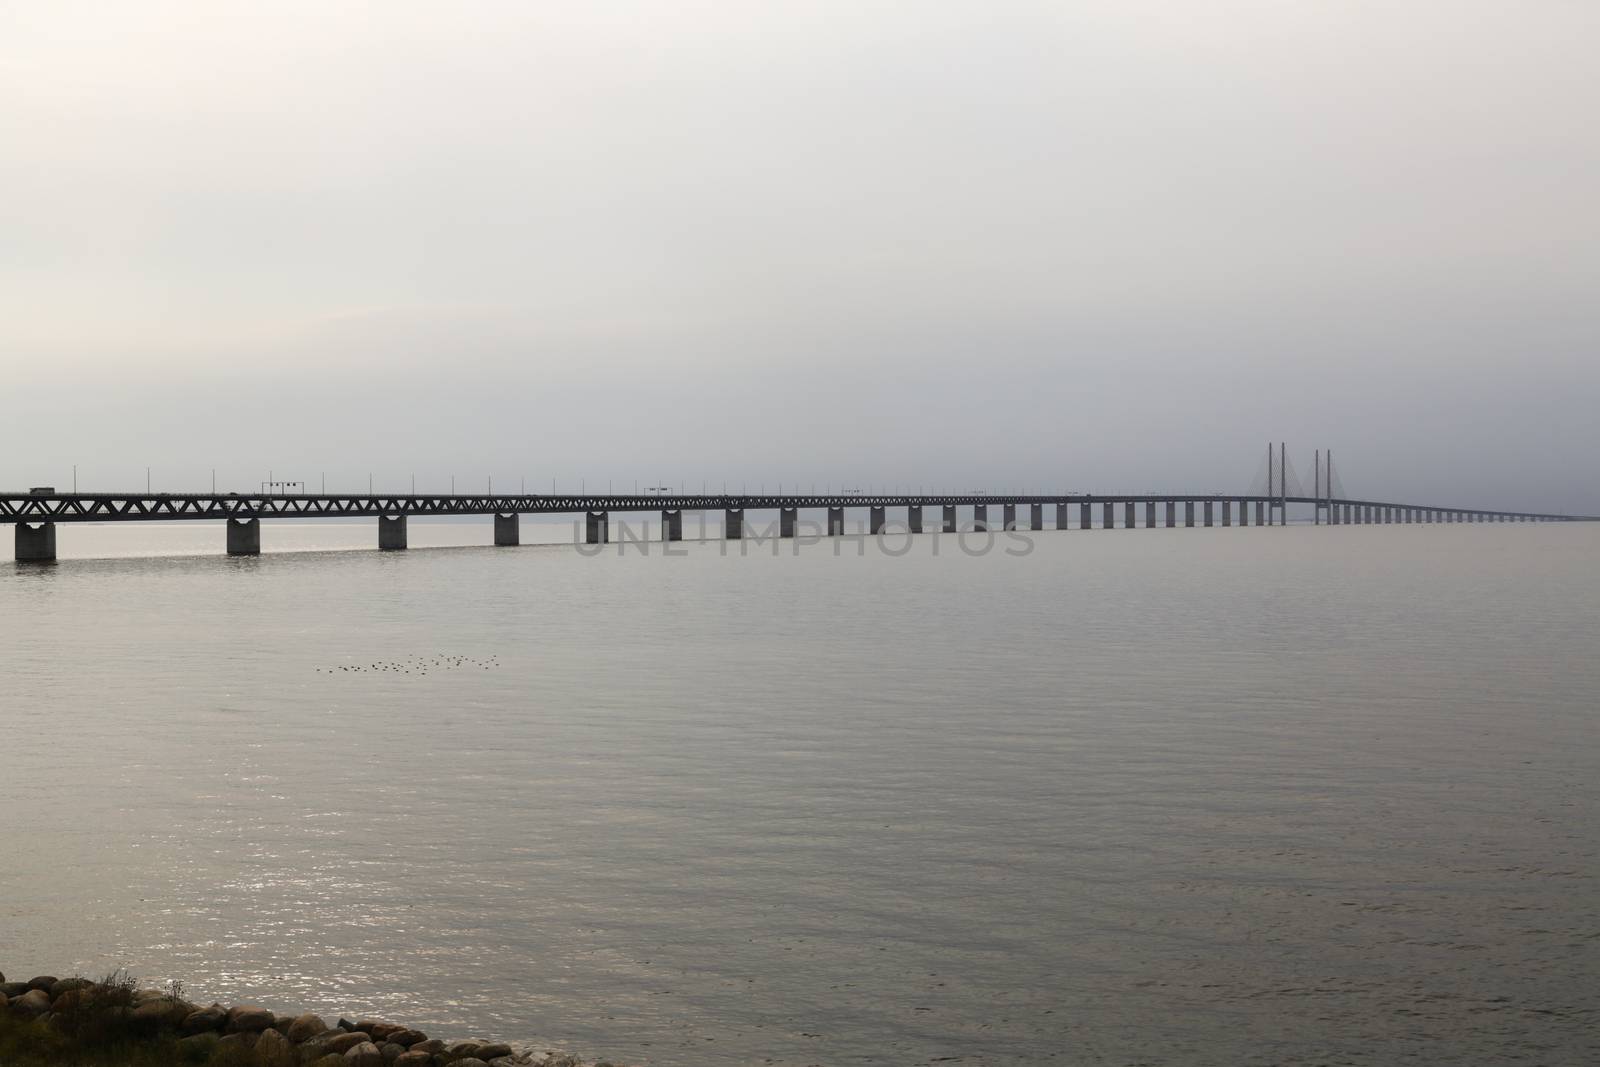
(116, 1010)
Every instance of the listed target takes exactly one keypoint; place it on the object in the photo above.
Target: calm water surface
(1242, 796)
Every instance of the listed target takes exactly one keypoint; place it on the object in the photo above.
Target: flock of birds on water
(415, 665)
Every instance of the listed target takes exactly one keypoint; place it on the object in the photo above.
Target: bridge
(35, 513)
(1276, 486)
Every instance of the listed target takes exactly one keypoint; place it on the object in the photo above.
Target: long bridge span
(35, 513)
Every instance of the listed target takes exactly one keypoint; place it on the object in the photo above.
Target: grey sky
(1109, 245)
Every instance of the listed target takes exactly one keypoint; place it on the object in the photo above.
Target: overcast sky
(1082, 245)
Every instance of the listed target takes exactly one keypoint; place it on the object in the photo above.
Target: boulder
(463, 1049)
(330, 1060)
(247, 1019)
(365, 1054)
(12, 989)
(432, 1046)
(493, 1051)
(315, 1048)
(305, 1027)
(274, 1048)
(205, 1020)
(342, 1043)
(32, 1004)
(391, 1051)
(43, 982)
(68, 985)
(69, 1000)
(414, 1058)
(468, 1061)
(346, 1025)
(370, 1025)
(240, 1039)
(408, 1037)
(162, 1011)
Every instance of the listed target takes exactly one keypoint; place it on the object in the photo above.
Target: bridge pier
(1085, 515)
(36, 543)
(1261, 512)
(1063, 513)
(949, 518)
(1127, 515)
(1172, 514)
(507, 529)
(1108, 515)
(672, 525)
(1149, 514)
(1208, 513)
(980, 517)
(1227, 513)
(914, 518)
(596, 528)
(391, 532)
(244, 537)
(836, 522)
(1188, 513)
(1035, 516)
(733, 523)
(875, 519)
(1008, 516)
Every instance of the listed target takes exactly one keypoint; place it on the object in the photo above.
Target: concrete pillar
(1062, 520)
(1127, 515)
(1261, 512)
(1108, 515)
(949, 518)
(1188, 512)
(1227, 513)
(835, 522)
(672, 526)
(1149, 514)
(507, 529)
(733, 523)
(1008, 516)
(244, 537)
(787, 517)
(980, 517)
(391, 532)
(875, 518)
(1035, 516)
(914, 518)
(1208, 513)
(596, 528)
(1172, 513)
(36, 544)
(1085, 515)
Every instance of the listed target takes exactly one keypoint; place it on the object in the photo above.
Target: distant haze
(1078, 245)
